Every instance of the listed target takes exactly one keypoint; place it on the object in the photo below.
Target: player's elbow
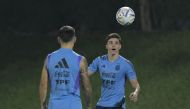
(42, 86)
(89, 74)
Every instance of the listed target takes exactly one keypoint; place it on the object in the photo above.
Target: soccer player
(63, 69)
(114, 70)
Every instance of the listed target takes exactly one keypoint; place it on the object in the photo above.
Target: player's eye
(117, 43)
(110, 42)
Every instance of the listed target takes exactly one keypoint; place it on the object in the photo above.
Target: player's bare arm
(134, 95)
(90, 73)
(86, 82)
(43, 86)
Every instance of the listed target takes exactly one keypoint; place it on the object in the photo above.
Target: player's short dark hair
(113, 35)
(66, 33)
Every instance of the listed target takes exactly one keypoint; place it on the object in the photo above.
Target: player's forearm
(88, 101)
(136, 88)
(87, 89)
(86, 82)
(88, 92)
(43, 92)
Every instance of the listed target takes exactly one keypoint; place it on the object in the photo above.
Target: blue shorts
(101, 107)
(120, 105)
(67, 102)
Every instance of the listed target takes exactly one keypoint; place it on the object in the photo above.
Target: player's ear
(74, 39)
(106, 46)
(59, 40)
(119, 46)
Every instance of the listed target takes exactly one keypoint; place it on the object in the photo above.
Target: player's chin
(114, 52)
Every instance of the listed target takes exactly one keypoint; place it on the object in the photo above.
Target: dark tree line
(94, 15)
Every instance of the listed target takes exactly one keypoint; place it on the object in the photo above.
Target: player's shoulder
(50, 55)
(77, 54)
(125, 60)
(53, 53)
(101, 58)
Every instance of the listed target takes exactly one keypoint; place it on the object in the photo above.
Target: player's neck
(112, 57)
(67, 45)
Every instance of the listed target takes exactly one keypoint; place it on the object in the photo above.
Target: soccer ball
(125, 16)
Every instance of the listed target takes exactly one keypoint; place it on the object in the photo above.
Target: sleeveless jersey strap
(47, 65)
(77, 82)
(48, 61)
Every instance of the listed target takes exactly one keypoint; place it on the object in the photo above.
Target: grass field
(161, 61)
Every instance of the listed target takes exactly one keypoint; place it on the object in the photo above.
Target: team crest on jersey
(117, 67)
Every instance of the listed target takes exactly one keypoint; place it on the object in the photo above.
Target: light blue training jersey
(63, 68)
(113, 76)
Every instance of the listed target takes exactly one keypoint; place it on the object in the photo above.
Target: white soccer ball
(125, 16)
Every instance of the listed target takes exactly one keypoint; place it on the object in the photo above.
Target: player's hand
(44, 106)
(88, 107)
(133, 97)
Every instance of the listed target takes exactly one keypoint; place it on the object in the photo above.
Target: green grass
(161, 61)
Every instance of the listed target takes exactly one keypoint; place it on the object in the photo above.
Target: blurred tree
(145, 15)
(43, 16)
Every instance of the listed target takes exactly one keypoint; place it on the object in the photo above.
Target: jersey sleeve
(130, 73)
(93, 67)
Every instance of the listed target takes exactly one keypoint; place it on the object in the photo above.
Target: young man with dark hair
(63, 69)
(114, 70)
